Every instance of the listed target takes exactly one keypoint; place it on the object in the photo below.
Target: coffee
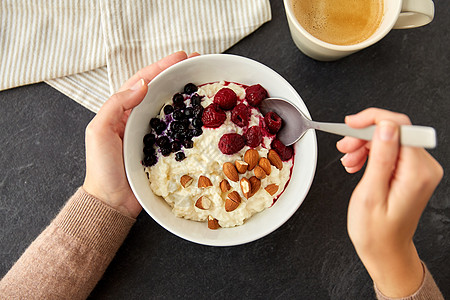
(339, 22)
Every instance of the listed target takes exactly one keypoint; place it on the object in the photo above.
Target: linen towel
(86, 49)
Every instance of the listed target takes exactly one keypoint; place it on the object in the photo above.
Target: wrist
(397, 273)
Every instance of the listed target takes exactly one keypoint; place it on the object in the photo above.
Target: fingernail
(343, 158)
(386, 130)
(138, 85)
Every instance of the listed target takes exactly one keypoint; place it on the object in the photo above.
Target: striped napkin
(86, 49)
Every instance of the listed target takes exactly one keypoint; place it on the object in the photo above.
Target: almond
(251, 157)
(204, 182)
(272, 189)
(230, 171)
(275, 159)
(224, 186)
(203, 202)
(241, 166)
(213, 223)
(233, 201)
(255, 185)
(265, 164)
(186, 180)
(259, 172)
(246, 187)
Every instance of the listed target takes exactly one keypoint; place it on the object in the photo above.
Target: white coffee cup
(398, 14)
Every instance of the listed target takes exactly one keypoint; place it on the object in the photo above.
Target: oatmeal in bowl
(205, 163)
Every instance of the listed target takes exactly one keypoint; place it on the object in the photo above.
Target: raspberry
(254, 94)
(253, 136)
(273, 122)
(213, 116)
(226, 98)
(239, 115)
(231, 143)
(284, 152)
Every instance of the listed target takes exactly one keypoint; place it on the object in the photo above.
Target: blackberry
(168, 109)
(196, 100)
(154, 122)
(179, 156)
(177, 98)
(197, 123)
(149, 161)
(188, 144)
(190, 88)
(166, 151)
(197, 131)
(189, 134)
(160, 127)
(175, 146)
(149, 139)
(178, 114)
(162, 141)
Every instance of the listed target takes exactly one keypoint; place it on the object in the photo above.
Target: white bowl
(205, 69)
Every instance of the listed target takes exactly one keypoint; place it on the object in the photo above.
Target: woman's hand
(386, 205)
(105, 172)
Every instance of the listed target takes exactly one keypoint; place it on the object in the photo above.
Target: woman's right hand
(387, 203)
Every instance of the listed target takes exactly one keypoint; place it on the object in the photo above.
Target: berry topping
(177, 98)
(226, 98)
(239, 115)
(149, 139)
(149, 150)
(178, 114)
(197, 123)
(231, 143)
(163, 141)
(273, 122)
(179, 105)
(196, 100)
(179, 156)
(149, 161)
(198, 111)
(190, 88)
(188, 144)
(175, 146)
(154, 122)
(284, 152)
(166, 151)
(189, 112)
(253, 136)
(168, 109)
(160, 127)
(213, 116)
(254, 94)
(197, 131)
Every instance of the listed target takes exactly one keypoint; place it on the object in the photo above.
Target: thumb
(382, 157)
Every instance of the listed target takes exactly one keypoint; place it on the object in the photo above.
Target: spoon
(296, 124)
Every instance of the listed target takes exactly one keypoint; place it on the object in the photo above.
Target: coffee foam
(340, 22)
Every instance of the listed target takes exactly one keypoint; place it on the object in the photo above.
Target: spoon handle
(410, 135)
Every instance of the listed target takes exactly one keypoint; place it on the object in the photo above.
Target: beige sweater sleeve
(70, 256)
(427, 291)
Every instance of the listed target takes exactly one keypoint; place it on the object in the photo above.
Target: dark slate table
(310, 256)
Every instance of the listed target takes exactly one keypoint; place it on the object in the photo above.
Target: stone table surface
(310, 256)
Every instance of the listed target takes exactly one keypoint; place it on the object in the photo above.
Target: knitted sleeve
(427, 291)
(69, 257)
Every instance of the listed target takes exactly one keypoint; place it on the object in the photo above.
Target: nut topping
(204, 182)
(233, 201)
(265, 164)
(255, 185)
(275, 159)
(224, 186)
(213, 223)
(245, 187)
(272, 189)
(251, 157)
(230, 171)
(186, 181)
(241, 166)
(259, 172)
(203, 203)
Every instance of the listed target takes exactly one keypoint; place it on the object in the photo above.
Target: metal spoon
(296, 124)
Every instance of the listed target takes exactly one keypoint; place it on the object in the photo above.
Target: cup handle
(415, 13)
